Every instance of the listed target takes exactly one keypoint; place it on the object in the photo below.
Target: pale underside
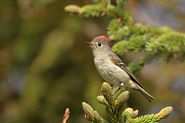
(112, 73)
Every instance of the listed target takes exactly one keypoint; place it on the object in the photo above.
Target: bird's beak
(89, 43)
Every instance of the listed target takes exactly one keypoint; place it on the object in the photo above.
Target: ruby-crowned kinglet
(111, 67)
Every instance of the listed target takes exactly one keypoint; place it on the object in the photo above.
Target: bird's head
(100, 44)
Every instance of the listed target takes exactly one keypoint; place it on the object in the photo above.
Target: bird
(112, 69)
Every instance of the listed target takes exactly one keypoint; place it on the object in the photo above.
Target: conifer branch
(114, 102)
(131, 37)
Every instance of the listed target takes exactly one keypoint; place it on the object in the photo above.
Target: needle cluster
(129, 36)
(115, 103)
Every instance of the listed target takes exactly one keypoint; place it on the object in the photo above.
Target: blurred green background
(45, 65)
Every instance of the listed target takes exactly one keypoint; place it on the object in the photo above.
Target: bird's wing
(117, 61)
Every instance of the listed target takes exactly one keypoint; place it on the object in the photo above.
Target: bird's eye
(99, 44)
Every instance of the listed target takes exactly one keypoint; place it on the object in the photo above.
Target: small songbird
(111, 67)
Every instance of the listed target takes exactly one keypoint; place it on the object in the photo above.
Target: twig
(66, 115)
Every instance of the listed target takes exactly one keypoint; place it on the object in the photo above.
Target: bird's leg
(118, 88)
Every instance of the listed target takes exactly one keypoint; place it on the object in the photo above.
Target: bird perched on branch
(111, 67)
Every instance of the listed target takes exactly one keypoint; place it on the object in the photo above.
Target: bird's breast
(109, 71)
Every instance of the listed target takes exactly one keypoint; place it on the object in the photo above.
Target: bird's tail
(145, 94)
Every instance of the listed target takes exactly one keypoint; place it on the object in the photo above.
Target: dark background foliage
(45, 65)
